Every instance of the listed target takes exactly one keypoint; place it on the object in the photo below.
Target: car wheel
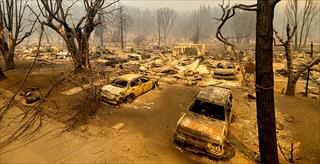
(129, 98)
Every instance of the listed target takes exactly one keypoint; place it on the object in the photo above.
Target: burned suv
(204, 127)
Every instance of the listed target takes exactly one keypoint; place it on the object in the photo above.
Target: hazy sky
(182, 5)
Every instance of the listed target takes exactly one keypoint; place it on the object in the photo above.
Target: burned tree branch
(227, 13)
(75, 35)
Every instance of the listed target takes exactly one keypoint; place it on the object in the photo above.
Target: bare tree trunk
(101, 41)
(7, 51)
(293, 77)
(2, 76)
(291, 85)
(121, 28)
(296, 25)
(159, 35)
(9, 61)
(265, 83)
(85, 51)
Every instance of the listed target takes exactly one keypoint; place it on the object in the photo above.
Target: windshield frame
(204, 101)
(113, 83)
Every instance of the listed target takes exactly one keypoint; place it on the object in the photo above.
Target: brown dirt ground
(149, 123)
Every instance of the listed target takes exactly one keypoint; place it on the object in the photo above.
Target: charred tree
(12, 24)
(264, 73)
(265, 82)
(293, 74)
(76, 36)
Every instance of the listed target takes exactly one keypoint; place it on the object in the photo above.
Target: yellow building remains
(189, 49)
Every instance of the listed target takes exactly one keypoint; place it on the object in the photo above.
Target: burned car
(204, 127)
(225, 71)
(126, 87)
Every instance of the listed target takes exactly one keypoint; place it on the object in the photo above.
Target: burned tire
(230, 151)
(129, 99)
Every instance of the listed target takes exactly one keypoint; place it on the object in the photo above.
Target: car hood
(202, 127)
(112, 89)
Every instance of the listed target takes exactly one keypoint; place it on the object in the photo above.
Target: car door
(147, 84)
(136, 87)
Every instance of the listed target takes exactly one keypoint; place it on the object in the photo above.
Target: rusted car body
(225, 71)
(126, 87)
(204, 127)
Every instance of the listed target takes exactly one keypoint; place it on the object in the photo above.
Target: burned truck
(204, 127)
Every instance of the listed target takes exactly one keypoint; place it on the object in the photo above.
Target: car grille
(195, 141)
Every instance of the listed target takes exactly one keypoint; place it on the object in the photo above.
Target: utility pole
(121, 28)
(311, 53)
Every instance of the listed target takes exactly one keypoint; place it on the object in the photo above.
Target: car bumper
(226, 77)
(110, 99)
(196, 146)
(113, 102)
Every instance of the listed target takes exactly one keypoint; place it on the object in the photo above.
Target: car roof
(129, 77)
(215, 95)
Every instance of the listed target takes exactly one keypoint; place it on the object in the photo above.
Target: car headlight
(180, 136)
(117, 96)
(214, 148)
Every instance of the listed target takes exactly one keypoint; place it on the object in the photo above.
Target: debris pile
(169, 67)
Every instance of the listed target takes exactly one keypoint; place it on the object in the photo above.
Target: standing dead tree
(229, 12)
(264, 72)
(293, 73)
(200, 23)
(242, 26)
(100, 29)
(76, 36)
(165, 19)
(12, 24)
(311, 9)
(302, 18)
